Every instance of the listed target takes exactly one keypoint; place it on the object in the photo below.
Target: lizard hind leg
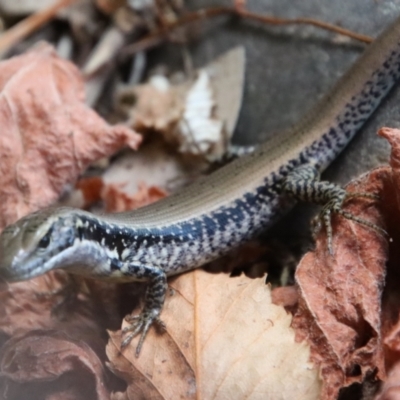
(334, 207)
(303, 184)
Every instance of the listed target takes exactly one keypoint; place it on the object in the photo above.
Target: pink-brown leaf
(49, 136)
(340, 295)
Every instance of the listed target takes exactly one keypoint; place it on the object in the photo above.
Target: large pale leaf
(224, 339)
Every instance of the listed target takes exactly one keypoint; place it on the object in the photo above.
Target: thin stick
(161, 35)
(305, 21)
(30, 24)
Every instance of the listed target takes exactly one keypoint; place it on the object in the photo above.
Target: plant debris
(197, 116)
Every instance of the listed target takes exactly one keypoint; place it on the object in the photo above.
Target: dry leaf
(391, 339)
(285, 296)
(51, 362)
(212, 106)
(198, 129)
(22, 307)
(391, 388)
(91, 189)
(155, 166)
(391, 297)
(348, 312)
(352, 334)
(340, 296)
(199, 116)
(116, 200)
(33, 316)
(28, 305)
(224, 339)
(393, 137)
(114, 196)
(157, 106)
(49, 135)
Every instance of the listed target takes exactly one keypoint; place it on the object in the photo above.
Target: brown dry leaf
(157, 106)
(350, 315)
(54, 364)
(117, 200)
(285, 296)
(391, 389)
(22, 308)
(391, 297)
(135, 179)
(198, 115)
(393, 137)
(31, 307)
(91, 189)
(340, 296)
(49, 135)
(391, 335)
(224, 339)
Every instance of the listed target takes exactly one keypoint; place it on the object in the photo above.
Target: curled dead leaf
(44, 331)
(53, 362)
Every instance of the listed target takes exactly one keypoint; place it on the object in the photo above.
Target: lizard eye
(44, 241)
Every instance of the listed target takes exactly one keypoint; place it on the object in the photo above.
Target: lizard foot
(140, 324)
(336, 206)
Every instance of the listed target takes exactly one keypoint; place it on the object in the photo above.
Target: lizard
(217, 212)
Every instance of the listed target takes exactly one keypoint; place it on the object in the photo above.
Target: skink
(216, 213)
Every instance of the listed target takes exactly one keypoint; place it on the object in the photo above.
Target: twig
(161, 35)
(30, 24)
(305, 21)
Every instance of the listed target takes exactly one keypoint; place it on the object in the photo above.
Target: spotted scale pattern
(178, 247)
(355, 113)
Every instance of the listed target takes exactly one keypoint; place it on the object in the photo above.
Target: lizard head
(27, 247)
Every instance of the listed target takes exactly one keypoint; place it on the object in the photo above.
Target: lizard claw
(140, 324)
(336, 206)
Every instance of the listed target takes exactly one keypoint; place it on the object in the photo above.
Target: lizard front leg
(154, 301)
